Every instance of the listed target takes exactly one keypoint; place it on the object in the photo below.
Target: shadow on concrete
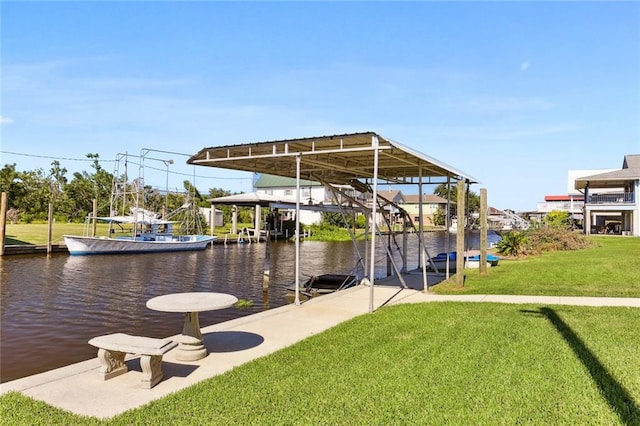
(169, 369)
(231, 341)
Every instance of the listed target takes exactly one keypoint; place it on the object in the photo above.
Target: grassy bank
(440, 363)
(608, 268)
(36, 233)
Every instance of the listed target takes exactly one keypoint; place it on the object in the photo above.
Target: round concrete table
(191, 343)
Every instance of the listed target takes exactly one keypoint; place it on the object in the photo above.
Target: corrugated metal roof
(332, 159)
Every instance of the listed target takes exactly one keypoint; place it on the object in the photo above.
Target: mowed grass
(436, 363)
(36, 233)
(611, 268)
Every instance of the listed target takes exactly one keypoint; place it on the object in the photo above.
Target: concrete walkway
(79, 389)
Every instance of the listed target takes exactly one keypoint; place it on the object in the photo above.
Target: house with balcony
(611, 199)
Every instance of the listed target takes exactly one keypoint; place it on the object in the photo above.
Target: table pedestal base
(187, 352)
(191, 342)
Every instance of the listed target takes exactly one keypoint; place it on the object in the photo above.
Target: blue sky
(514, 94)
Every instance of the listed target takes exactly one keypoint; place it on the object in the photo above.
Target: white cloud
(525, 65)
(5, 120)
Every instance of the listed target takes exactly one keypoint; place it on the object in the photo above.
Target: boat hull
(326, 283)
(471, 262)
(80, 246)
(442, 265)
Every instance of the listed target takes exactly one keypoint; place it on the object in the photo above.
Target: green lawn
(437, 363)
(36, 233)
(609, 268)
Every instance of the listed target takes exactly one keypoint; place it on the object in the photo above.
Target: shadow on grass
(618, 398)
(10, 241)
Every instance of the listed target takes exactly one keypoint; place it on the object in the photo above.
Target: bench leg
(111, 363)
(151, 370)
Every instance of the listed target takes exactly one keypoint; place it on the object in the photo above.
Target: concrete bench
(112, 349)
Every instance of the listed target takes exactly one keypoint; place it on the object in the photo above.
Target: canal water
(51, 306)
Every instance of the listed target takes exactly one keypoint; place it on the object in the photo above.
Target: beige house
(430, 205)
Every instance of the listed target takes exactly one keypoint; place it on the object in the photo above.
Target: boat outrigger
(139, 230)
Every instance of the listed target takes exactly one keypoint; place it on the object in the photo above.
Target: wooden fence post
(95, 214)
(49, 228)
(3, 221)
(483, 230)
(460, 233)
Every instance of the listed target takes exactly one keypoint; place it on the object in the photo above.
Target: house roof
(249, 199)
(618, 178)
(273, 181)
(426, 199)
(564, 197)
(335, 159)
(394, 195)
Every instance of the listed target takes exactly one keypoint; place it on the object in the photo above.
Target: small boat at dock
(325, 283)
(472, 261)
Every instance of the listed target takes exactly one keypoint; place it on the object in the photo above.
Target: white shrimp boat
(78, 245)
(132, 229)
(152, 235)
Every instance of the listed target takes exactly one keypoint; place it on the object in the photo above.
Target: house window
(287, 192)
(269, 191)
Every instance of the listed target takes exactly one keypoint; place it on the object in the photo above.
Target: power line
(55, 158)
(113, 161)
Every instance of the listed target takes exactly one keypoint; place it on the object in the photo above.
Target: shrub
(540, 239)
(553, 238)
(511, 243)
(557, 219)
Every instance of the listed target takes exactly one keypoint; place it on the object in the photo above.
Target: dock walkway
(79, 389)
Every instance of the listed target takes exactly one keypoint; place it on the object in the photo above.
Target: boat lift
(367, 158)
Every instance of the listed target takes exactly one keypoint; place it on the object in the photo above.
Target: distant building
(565, 203)
(430, 205)
(572, 202)
(285, 188)
(612, 204)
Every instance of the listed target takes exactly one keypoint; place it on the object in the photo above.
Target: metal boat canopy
(333, 159)
(361, 160)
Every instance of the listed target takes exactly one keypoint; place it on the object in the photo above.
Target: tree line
(30, 192)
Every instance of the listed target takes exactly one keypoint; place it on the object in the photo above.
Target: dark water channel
(51, 306)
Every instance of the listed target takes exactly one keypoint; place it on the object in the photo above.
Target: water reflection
(51, 306)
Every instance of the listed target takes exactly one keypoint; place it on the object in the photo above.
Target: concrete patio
(78, 388)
